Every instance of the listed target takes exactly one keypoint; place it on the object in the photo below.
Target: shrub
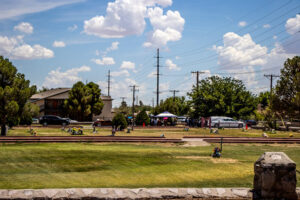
(142, 117)
(119, 121)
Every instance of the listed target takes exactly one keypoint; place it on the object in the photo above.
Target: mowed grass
(90, 165)
(168, 132)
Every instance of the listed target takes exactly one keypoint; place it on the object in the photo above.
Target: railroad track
(66, 139)
(246, 140)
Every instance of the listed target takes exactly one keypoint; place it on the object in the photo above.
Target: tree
(15, 91)
(222, 97)
(178, 106)
(119, 120)
(84, 101)
(286, 99)
(95, 101)
(264, 99)
(142, 117)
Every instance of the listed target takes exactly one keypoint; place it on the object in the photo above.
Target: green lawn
(168, 132)
(130, 165)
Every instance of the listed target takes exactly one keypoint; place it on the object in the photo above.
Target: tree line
(214, 96)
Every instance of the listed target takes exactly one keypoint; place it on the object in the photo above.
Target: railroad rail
(246, 140)
(65, 139)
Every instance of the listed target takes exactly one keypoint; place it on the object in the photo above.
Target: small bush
(119, 121)
(142, 117)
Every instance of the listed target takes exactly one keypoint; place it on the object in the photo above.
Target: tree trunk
(3, 130)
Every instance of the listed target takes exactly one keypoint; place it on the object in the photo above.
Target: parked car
(53, 120)
(251, 122)
(35, 120)
(225, 122)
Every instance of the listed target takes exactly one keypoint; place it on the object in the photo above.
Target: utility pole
(174, 92)
(157, 78)
(108, 83)
(133, 99)
(152, 102)
(123, 99)
(197, 77)
(270, 77)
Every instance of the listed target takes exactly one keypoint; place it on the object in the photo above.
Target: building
(51, 103)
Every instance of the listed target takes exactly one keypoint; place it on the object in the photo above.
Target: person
(113, 131)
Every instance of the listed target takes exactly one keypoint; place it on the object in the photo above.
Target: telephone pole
(197, 77)
(270, 77)
(133, 99)
(174, 92)
(157, 78)
(108, 83)
(123, 99)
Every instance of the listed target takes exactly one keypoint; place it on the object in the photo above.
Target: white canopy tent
(166, 114)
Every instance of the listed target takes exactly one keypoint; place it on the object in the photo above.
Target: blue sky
(56, 43)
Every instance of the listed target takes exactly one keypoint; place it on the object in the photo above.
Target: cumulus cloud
(165, 27)
(171, 65)
(58, 44)
(24, 27)
(58, 78)
(243, 54)
(120, 73)
(15, 48)
(152, 74)
(104, 61)
(293, 25)
(240, 51)
(242, 23)
(114, 46)
(127, 17)
(72, 28)
(127, 65)
(266, 26)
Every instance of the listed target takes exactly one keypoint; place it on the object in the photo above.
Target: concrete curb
(138, 193)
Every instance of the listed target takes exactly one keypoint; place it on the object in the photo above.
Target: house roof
(50, 93)
(59, 93)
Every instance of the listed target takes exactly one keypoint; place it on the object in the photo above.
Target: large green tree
(142, 117)
(224, 96)
(286, 98)
(15, 91)
(84, 101)
(177, 106)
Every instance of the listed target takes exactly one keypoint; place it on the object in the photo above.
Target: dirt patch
(214, 160)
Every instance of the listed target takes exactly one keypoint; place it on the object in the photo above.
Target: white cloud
(292, 25)
(266, 26)
(104, 61)
(151, 74)
(114, 46)
(165, 27)
(240, 51)
(171, 65)
(13, 8)
(242, 23)
(72, 28)
(15, 48)
(120, 73)
(127, 65)
(58, 78)
(127, 17)
(274, 37)
(24, 27)
(58, 44)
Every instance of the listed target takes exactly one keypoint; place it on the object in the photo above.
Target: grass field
(168, 132)
(130, 165)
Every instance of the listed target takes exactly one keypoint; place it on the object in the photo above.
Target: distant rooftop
(49, 93)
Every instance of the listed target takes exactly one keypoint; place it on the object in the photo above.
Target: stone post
(275, 177)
